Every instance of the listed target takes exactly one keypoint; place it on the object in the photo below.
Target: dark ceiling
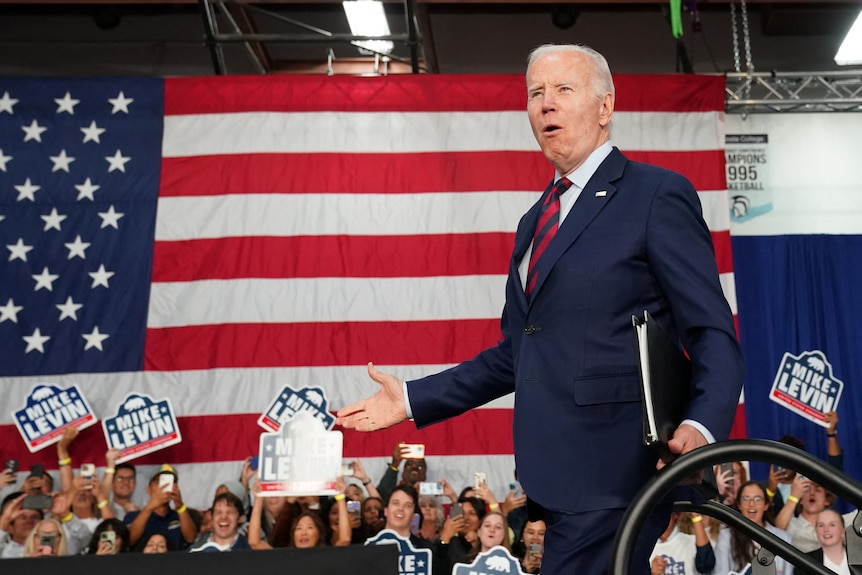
(154, 38)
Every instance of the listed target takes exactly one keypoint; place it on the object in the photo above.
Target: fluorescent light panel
(850, 52)
(367, 18)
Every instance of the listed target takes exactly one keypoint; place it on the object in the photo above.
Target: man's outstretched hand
(383, 409)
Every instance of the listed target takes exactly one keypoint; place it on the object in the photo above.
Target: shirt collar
(582, 174)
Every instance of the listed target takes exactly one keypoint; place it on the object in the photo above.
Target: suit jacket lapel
(595, 195)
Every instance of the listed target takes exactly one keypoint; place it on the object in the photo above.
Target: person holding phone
(16, 523)
(532, 541)
(110, 537)
(157, 516)
(47, 538)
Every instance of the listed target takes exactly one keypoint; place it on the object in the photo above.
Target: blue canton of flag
(79, 180)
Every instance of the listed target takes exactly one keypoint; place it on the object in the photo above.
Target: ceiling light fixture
(367, 18)
(850, 52)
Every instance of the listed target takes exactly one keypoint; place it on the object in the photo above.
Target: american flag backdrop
(212, 240)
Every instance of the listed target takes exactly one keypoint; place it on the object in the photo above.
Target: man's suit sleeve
(682, 257)
(470, 384)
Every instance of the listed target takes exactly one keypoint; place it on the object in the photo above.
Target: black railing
(747, 450)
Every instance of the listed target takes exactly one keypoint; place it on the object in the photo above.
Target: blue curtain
(798, 294)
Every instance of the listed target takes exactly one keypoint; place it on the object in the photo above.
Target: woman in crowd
(830, 533)
(734, 551)
(493, 532)
(121, 538)
(156, 543)
(372, 517)
(432, 518)
(473, 510)
(531, 546)
(46, 539)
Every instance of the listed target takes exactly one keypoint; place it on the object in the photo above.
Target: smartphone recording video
(166, 482)
(347, 469)
(430, 488)
(110, 538)
(480, 478)
(415, 451)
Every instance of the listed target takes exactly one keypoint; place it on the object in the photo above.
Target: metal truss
(238, 25)
(771, 92)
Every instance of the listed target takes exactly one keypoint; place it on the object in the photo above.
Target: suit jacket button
(530, 329)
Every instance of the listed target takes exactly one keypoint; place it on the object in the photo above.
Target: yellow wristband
(110, 470)
(102, 504)
(793, 499)
(494, 506)
(770, 493)
(68, 517)
(696, 518)
(393, 468)
(65, 461)
(182, 508)
(340, 496)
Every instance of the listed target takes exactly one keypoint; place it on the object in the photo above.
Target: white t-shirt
(679, 551)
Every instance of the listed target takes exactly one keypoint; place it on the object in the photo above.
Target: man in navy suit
(630, 237)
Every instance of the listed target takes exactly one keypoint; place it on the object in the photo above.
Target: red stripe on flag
(353, 173)
(420, 93)
(723, 253)
(332, 256)
(396, 173)
(233, 437)
(317, 344)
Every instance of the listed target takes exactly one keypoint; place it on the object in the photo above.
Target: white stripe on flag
(209, 302)
(396, 132)
(728, 286)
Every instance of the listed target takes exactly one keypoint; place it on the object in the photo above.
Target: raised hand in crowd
(64, 460)
(247, 473)
(448, 491)
(452, 526)
(255, 519)
(484, 493)
(515, 499)
(360, 474)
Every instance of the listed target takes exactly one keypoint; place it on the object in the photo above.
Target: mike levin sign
(411, 561)
(806, 385)
(289, 402)
(302, 458)
(141, 426)
(48, 412)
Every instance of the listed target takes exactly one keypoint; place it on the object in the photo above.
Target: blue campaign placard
(50, 410)
(411, 561)
(140, 426)
(492, 562)
(806, 385)
(290, 401)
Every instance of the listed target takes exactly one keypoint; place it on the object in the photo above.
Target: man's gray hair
(602, 81)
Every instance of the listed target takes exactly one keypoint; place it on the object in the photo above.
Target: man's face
(124, 483)
(24, 523)
(225, 522)
(400, 511)
(569, 120)
(414, 471)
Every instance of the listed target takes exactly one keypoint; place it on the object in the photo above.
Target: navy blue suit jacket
(569, 354)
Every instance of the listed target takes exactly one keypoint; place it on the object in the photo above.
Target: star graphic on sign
(77, 248)
(120, 103)
(10, 311)
(110, 218)
(66, 104)
(117, 162)
(33, 132)
(69, 309)
(27, 190)
(19, 251)
(61, 162)
(36, 341)
(6, 103)
(101, 277)
(4, 160)
(95, 339)
(86, 190)
(92, 133)
(45, 280)
(268, 447)
(53, 220)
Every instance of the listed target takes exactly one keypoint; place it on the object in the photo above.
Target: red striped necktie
(546, 229)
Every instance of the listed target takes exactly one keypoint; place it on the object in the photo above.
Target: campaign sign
(805, 385)
(303, 458)
(289, 402)
(492, 562)
(141, 426)
(411, 561)
(48, 412)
